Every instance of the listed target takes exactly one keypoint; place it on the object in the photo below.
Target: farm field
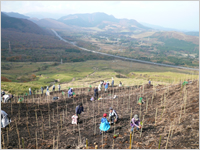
(170, 112)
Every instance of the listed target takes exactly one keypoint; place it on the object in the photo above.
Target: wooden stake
(53, 141)
(28, 129)
(36, 118)
(3, 141)
(49, 121)
(130, 140)
(63, 115)
(147, 106)
(11, 109)
(156, 115)
(102, 140)
(53, 115)
(36, 139)
(57, 141)
(7, 138)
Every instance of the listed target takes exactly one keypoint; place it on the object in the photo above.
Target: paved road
(124, 58)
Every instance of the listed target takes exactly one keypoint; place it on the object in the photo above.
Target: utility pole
(9, 47)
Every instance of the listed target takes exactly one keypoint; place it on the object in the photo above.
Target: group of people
(47, 91)
(6, 97)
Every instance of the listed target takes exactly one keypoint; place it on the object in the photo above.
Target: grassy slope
(137, 74)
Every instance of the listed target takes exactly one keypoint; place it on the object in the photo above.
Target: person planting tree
(113, 117)
(135, 122)
(79, 109)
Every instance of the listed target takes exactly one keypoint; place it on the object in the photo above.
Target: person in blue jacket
(106, 86)
(104, 126)
(79, 109)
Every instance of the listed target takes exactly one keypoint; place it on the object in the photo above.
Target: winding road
(124, 58)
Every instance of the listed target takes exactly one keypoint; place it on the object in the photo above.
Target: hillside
(171, 118)
(176, 35)
(51, 23)
(16, 15)
(21, 25)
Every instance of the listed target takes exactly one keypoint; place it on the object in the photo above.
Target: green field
(28, 74)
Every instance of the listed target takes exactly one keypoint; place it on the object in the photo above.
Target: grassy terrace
(28, 74)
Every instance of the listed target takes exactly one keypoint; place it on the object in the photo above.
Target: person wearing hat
(113, 117)
(70, 92)
(104, 126)
(79, 109)
(96, 92)
(135, 122)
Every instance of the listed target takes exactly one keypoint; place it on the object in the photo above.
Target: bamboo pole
(130, 141)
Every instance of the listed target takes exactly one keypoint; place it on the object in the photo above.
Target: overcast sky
(182, 15)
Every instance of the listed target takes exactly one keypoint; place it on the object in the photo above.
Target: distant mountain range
(99, 20)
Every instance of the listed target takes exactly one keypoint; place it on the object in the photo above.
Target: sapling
(23, 142)
(159, 142)
(168, 137)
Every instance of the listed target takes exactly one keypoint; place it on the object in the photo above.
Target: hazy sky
(183, 15)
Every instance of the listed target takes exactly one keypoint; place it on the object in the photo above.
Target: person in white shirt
(59, 87)
(74, 119)
(29, 91)
(5, 119)
(113, 117)
(6, 98)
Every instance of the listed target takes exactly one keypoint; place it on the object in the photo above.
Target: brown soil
(183, 135)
